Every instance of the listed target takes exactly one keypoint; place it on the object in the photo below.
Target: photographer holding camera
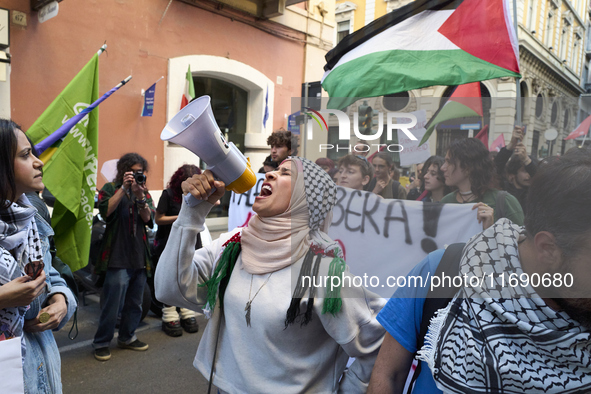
(124, 260)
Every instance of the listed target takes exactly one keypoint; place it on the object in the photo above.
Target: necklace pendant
(247, 315)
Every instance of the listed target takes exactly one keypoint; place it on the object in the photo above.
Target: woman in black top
(167, 211)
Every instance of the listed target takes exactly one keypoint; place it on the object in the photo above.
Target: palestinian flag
(189, 93)
(425, 43)
(464, 102)
(581, 129)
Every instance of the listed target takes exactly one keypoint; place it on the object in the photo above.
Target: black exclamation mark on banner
(431, 213)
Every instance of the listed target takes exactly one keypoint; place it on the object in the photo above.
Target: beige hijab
(273, 243)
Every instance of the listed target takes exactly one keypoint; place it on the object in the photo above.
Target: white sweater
(267, 357)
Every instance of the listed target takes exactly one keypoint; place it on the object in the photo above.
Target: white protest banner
(240, 209)
(379, 237)
(411, 152)
(386, 238)
(11, 367)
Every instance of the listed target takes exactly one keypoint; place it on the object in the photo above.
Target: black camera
(140, 178)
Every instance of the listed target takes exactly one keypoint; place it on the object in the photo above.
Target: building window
(563, 42)
(550, 30)
(566, 119)
(525, 102)
(577, 55)
(539, 106)
(554, 113)
(535, 141)
(343, 29)
(531, 15)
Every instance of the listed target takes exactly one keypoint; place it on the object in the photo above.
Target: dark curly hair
(473, 157)
(127, 161)
(436, 161)
(180, 175)
(280, 138)
(8, 147)
(513, 165)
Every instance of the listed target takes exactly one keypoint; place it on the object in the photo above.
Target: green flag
(71, 165)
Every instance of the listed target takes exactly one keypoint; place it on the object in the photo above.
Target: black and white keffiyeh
(503, 339)
(18, 237)
(321, 195)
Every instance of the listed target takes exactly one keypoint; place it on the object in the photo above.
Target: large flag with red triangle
(189, 92)
(465, 101)
(581, 130)
(424, 43)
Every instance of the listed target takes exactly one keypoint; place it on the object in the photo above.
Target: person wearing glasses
(34, 299)
(355, 172)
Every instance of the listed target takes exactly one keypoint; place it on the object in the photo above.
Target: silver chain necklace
(250, 300)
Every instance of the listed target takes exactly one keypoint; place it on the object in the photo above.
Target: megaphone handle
(192, 201)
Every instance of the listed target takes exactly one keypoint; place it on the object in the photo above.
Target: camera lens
(140, 178)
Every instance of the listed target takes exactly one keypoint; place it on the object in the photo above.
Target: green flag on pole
(71, 165)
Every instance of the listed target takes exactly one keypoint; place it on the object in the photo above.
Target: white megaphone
(195, 128)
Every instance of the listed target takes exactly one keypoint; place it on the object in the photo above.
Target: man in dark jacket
(515, 168)
(125, 259)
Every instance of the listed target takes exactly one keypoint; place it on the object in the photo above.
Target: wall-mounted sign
(48, 11)
(4, 28)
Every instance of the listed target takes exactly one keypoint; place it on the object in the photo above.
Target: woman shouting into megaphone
(284, 314)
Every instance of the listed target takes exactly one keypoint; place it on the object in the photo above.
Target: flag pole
(65, 128)
(584, 138)
(102, 49)
(517, 85)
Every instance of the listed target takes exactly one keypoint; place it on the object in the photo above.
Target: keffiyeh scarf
(303, 230)
(18, 237)
(503, 339)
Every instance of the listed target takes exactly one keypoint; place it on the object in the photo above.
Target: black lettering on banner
(336, 220)
(404, 219)
(367, 213)
(254, 192)
(348, 212)
(431, 214)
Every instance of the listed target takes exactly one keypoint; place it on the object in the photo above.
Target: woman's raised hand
(202, 185)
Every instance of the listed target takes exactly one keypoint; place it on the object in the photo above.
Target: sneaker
(102, 353)
(190, 325)
(172, 329)
(135, 345)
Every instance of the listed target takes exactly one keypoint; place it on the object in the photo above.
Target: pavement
(166, 367)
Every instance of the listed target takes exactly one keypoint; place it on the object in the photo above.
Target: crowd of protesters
(535, 220)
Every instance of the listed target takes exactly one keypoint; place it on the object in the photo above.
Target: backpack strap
(500, 204)
(395, 187)
(439, 297)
